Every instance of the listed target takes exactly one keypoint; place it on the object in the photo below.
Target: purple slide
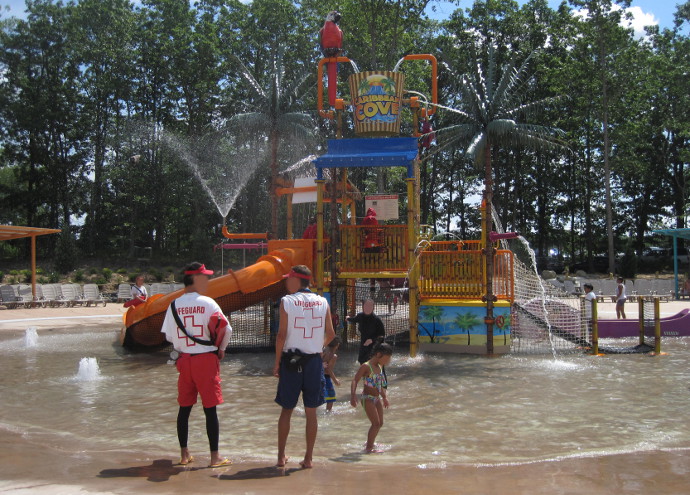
(677, 325)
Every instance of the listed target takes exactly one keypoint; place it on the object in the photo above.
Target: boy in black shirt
(371, 330)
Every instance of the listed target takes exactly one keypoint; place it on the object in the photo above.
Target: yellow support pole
(413, 267)
(343, 205)
(657, 327)
(640, 312)
(319, 235)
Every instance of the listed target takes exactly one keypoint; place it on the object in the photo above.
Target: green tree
(44, 137)
(104, 46)
(432, 313)
(276, 115)
(466, 322)
(604, 38)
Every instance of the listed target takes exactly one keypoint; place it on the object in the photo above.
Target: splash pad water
(438, 417)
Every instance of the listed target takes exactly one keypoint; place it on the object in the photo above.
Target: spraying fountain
(88, 370)
(30, 337)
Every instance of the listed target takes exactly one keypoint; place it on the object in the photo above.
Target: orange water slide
(234, 291)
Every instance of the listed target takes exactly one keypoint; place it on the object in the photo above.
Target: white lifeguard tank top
(306, 325)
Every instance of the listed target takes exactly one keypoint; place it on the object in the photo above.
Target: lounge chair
(92, 295)
(39, 299)
(10, 297)
(608, 290)
(25, 294)
(160, 289)
(71, 293)
(124, 292)
(52, 295)
(665, 289)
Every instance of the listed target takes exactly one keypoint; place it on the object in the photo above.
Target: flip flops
(189, 461)
(224, 462)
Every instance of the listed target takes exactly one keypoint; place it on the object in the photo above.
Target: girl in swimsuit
(373, 398)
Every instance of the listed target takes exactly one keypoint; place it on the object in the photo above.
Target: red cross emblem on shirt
(192, 329)
(309, 326)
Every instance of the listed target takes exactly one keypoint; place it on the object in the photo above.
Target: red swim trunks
(199, 374)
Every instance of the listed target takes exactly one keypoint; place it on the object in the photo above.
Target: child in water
(329, 357)
(373, 397)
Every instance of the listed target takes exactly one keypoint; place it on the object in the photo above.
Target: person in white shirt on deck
(620, 298)
(200, 335)
(137, 292)
(139, 289)
(305, 328)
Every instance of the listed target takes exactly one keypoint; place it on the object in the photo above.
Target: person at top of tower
(370, 219)
(372, 237)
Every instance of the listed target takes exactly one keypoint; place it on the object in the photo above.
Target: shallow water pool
(445, 409)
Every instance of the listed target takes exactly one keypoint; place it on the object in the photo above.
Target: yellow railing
(459, 274)
(373, 248)
(453, 245)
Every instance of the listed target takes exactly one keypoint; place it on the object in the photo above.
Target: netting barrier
(544, 318)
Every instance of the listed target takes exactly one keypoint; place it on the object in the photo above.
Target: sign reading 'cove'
(376, 100)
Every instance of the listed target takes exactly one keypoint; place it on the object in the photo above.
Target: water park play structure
(468, 296)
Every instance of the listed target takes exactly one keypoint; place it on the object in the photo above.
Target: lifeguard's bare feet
(306, 464)
(282, 461)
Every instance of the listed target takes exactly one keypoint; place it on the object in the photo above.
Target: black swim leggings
(212, 426)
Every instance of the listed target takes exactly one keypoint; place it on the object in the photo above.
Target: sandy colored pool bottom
(28, 468)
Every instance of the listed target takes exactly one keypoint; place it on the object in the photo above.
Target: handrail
(434, 79)
(231, 235)
(373, 248)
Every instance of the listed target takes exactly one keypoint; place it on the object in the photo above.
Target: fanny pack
(296, 359)
(181, 327)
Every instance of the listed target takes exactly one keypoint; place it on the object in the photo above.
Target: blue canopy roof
(369, 152)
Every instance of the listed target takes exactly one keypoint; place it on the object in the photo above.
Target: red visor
(199, 271)
(293, 273)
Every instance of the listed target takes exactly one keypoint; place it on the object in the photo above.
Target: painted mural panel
(461, 325)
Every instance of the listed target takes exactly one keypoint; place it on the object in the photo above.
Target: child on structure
(620, 298)
(373, 398)
(329, 358)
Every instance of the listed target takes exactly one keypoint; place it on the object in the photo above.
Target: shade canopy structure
(369, 152)
(676, 234)
(8, 232)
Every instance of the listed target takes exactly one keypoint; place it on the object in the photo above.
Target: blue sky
(645, 11)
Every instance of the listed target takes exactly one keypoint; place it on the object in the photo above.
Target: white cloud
(639, 19)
